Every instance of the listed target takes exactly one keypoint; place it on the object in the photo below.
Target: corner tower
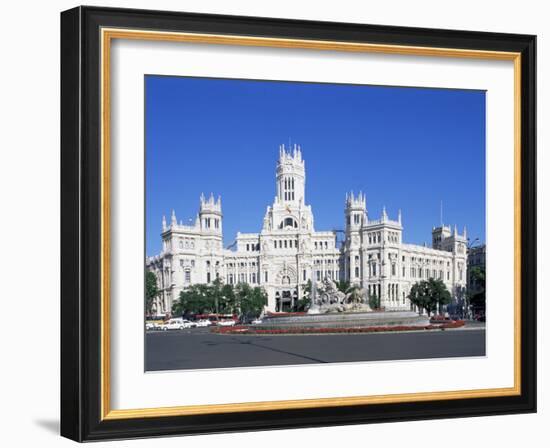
(356, 218)
(210, 214)
(356, 212)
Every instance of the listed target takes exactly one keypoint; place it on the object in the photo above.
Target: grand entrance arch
(286, 300)
(286, 294)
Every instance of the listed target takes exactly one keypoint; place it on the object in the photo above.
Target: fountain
(331, 308)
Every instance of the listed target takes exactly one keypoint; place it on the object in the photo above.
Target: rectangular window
(187, 276)
(304, 275)
(265, 276)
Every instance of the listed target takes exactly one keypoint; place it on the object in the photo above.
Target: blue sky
(406, 148)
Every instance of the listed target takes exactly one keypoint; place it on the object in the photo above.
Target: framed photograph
(274, 223)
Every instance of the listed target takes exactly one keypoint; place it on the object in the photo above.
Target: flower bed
(241, 329)
(281, 314)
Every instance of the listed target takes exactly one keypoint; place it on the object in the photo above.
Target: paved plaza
(198, 348)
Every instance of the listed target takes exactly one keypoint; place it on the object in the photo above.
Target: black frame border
(81, 223)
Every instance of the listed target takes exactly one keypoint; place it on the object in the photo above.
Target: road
(200, 349)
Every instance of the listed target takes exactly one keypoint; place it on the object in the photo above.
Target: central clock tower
(289, 211)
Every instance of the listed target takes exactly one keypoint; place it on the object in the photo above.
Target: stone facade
(288, 251)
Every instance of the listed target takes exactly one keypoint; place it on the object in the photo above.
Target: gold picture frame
(122, 25)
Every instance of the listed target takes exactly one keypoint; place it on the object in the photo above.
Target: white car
(175, 324)
(256, 321)
(226, 323)
(151, 326)
(203, 323)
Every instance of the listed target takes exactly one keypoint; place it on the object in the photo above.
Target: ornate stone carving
(327, 298)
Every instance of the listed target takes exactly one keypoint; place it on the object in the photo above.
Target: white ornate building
(288, 251)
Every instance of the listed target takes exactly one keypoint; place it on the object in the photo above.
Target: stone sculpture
(326, 298)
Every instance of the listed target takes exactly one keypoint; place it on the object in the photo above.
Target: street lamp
(472, 242)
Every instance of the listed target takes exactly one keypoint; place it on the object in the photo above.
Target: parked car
(203, 323)
(175, 324)
(226, 323)
(256, 322)
(149, 326)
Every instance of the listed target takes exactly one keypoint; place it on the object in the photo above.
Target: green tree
(197, 299)
(440, 293)
(215, 297)
(478, 275)
(249, 301)
(374, 301)
(429, 295)
(227, 300)
(151, 291)
(419, 296)
(217, 291)
(477, 295)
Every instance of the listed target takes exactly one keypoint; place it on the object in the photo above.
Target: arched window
(289, 223)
